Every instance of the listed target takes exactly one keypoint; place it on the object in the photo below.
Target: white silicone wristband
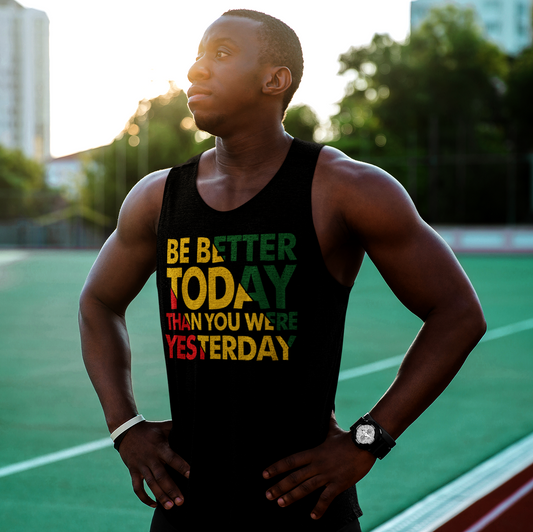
(125, 426)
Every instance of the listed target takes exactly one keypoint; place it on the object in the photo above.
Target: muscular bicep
(119, 273)
(128, 258)
(412, 258)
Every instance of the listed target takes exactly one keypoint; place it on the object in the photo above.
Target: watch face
(365, 434)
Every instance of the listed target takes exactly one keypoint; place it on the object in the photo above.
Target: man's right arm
(123, 266)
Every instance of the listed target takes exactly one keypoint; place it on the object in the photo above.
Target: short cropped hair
(281, 46)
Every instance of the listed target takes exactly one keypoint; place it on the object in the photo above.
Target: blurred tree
(446, 73)
(301, 121)
(518, 97)
(439, 94)
(23, 191)
(160, 134)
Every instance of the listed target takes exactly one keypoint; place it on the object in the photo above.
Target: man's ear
(278, 80)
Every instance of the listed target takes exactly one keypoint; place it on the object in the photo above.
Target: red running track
(508, 508)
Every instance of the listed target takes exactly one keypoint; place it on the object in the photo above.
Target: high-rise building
(24, 80)
(505, 22)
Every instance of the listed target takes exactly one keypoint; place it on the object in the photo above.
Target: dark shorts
(160, 524)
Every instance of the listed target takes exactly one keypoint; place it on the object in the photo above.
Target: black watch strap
(383, 442)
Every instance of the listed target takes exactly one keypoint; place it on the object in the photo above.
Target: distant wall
(488, 239)
(73, 233)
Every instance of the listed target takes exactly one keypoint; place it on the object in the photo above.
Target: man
(256, 244)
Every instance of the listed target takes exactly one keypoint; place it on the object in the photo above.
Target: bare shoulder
(356, 177)
(368, 199)
(142, 206)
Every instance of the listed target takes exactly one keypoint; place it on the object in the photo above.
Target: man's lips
(197, 93)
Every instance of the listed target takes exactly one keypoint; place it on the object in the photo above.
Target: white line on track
(55, 457)
(344, 375)
(493, 334)
(440, 506)
(502, 507)
(12, 255)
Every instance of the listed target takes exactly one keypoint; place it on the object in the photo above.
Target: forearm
(107, 357)
(432, 361)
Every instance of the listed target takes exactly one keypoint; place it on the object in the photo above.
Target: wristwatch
(368, 435)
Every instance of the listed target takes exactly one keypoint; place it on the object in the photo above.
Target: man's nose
(198, 71)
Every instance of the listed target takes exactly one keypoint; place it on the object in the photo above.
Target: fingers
(176, 462)
(286, 464)
(285, 498)
(331, 468)
(324, 501)
(138, 488)
(162, 486)
(290, 482)
(300, 484)
(146, 453)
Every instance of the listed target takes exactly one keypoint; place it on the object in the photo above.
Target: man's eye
(221, 53)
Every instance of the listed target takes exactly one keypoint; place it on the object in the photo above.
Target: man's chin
(209, 122)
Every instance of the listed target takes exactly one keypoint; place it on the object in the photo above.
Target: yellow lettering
(196, 321)
(194, 304)
(209, 318)
(253, 348)
(203, 255)
(215, 347)
(172, 251)
(284, 346)
(173, 274)
(203, 340)
(216, 256)
(241, 297)
(268, 325)
(237, 321)
(254, 321)
(229, 285)
(224, 321)
(264, 352)
(184, 249)
(228, 347)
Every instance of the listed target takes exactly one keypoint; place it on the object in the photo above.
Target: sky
(107, 55)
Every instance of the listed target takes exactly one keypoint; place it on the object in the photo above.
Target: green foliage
(416, 108)
(23, 191)
(446, 73)
(518, 99)
(301, 121)
(161, 134)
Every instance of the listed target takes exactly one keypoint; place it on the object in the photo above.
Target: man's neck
(246, 154)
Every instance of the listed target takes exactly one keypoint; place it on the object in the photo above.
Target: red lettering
(180, 347)
(173, 300)
(192, 347)
(171, 342)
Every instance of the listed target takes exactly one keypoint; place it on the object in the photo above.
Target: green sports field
(47, 403)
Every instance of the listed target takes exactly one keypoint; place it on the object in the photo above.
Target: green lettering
(286, 241)
(220, 247)
(252, 273)
(234, 239)
(280, 283)
(265, 247)
(250, 239)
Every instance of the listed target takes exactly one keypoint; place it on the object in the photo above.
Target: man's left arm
(427, 278)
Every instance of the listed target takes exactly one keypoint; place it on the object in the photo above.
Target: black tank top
(252, 326)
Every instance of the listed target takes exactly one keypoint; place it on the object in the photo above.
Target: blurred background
(436, 92)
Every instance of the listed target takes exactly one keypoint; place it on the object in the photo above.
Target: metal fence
(451, 190)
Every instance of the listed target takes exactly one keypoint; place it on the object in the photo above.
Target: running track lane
(347, 374)
(509, 508)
